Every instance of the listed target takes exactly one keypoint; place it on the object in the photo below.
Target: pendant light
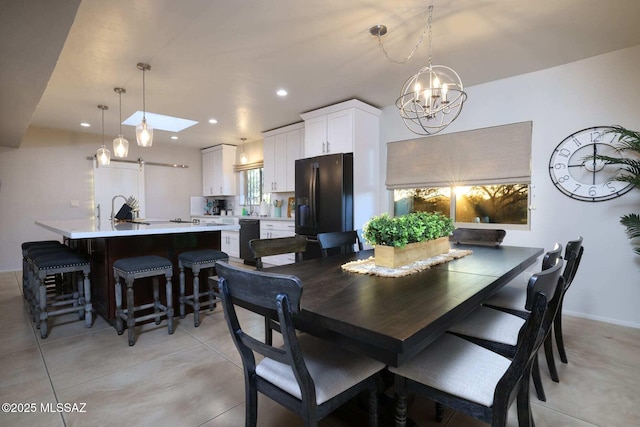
(243, 157)
(103, 154)
(120, 145)
(144, 132)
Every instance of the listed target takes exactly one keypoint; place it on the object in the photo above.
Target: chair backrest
(258, 291)
(341, 241)
(573, 255)
(549, 260)
(278, 246)
(478, 236)
(547, 286)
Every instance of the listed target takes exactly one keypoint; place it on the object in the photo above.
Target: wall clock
(583, 179)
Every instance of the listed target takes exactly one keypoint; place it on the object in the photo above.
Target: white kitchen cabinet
(230, 243)
(329, 133)
(218, 178)
(350, 127)
(274, 230)
(282, 147)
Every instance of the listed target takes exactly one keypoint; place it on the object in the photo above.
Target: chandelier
(432, 98)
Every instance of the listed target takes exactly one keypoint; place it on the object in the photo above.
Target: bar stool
(197, 260)
(137, 268)
(79, 298)
(27, 278)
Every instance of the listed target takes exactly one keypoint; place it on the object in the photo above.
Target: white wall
(603, 90)
(39, 180)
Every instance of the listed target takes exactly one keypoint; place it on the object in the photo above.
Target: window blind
(487, 156)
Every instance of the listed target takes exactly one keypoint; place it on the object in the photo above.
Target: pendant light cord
(408, 57)
(144, 103)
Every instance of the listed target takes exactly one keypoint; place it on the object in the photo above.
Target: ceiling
(226, 59)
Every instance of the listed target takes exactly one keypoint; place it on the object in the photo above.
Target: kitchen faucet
(113, 200)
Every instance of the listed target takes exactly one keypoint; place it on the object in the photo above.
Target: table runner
(367, 266)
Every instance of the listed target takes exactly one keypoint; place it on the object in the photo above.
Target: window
(479, 176)
(251, 188)
(487, 204)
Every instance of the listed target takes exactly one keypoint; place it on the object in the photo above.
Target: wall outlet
(75, 203)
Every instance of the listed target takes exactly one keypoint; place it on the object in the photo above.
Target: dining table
(391, 319)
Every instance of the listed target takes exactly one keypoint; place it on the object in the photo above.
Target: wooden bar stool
(29, 249)
(198, 260)
(79, 298)
(136, 268)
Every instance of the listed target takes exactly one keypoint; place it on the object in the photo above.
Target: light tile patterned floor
(194, 378)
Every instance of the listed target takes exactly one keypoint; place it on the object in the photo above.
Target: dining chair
(278, 246)
(498, 331)
(474, 380)
(478, 236)
(307, 375)
(339, 242)
(515, 301)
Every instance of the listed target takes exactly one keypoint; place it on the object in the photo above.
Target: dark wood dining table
(392, 319)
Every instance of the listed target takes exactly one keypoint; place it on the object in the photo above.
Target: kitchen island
(105, 242)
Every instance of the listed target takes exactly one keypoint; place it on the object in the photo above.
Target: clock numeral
(563, 178)
(577, 188)
(577, 141)
(560, 166)
(564, 152)
(593, 191)
(610, 186)
(596, 136)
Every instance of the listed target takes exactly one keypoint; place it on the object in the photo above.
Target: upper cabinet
(350, 127)
(339, 128)
(282, 147)
(218, 178)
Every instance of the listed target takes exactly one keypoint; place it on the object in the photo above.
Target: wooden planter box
(392, 257)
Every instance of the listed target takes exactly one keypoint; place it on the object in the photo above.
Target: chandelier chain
(408, 57)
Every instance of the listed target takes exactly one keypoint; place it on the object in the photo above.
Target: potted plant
(404, 239)
(628, 143)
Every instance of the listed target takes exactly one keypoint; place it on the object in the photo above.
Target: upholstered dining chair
(498, 331)
(278, 246)
(308, 376)
(471, 379)
(478, 236)
(341, 242)
(516, 301)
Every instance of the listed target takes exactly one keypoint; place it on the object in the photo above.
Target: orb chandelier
(103, 154)
(432, 98)
(120, 144)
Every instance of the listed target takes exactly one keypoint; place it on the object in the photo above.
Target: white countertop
(266, 218)
(88, 229)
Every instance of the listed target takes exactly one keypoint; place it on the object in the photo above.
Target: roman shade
(488, 156)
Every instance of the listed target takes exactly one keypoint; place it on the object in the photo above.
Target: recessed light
(281, 92)
(85, 124)
(213, 121)
(174, 137)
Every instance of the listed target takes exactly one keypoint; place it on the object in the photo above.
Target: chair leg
(557, 329)
(119, 323)
(88, 306)
(439, 412)
(548, 352)
(537, 381)
(182, 292)
(525, 418)
(251, 405)
(169, 304)
(131, 320)
(156, 300)
(196, 296)
(212, 297)
(268, 333)
(42, 314)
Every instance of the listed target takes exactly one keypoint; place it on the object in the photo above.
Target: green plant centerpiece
(404, 239)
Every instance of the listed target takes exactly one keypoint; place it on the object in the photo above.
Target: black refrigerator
(323, 196)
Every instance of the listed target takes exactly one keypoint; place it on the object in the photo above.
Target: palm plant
(628, 143)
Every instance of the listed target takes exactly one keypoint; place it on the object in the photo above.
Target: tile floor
(193, 378)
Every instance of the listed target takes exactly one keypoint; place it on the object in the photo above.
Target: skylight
(160, 121)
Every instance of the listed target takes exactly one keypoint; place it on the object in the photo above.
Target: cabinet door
(230, 243)
(269, 165)
(294, 149)
(207, 174)
(315, 136)
(281, 162)
(340, 132)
